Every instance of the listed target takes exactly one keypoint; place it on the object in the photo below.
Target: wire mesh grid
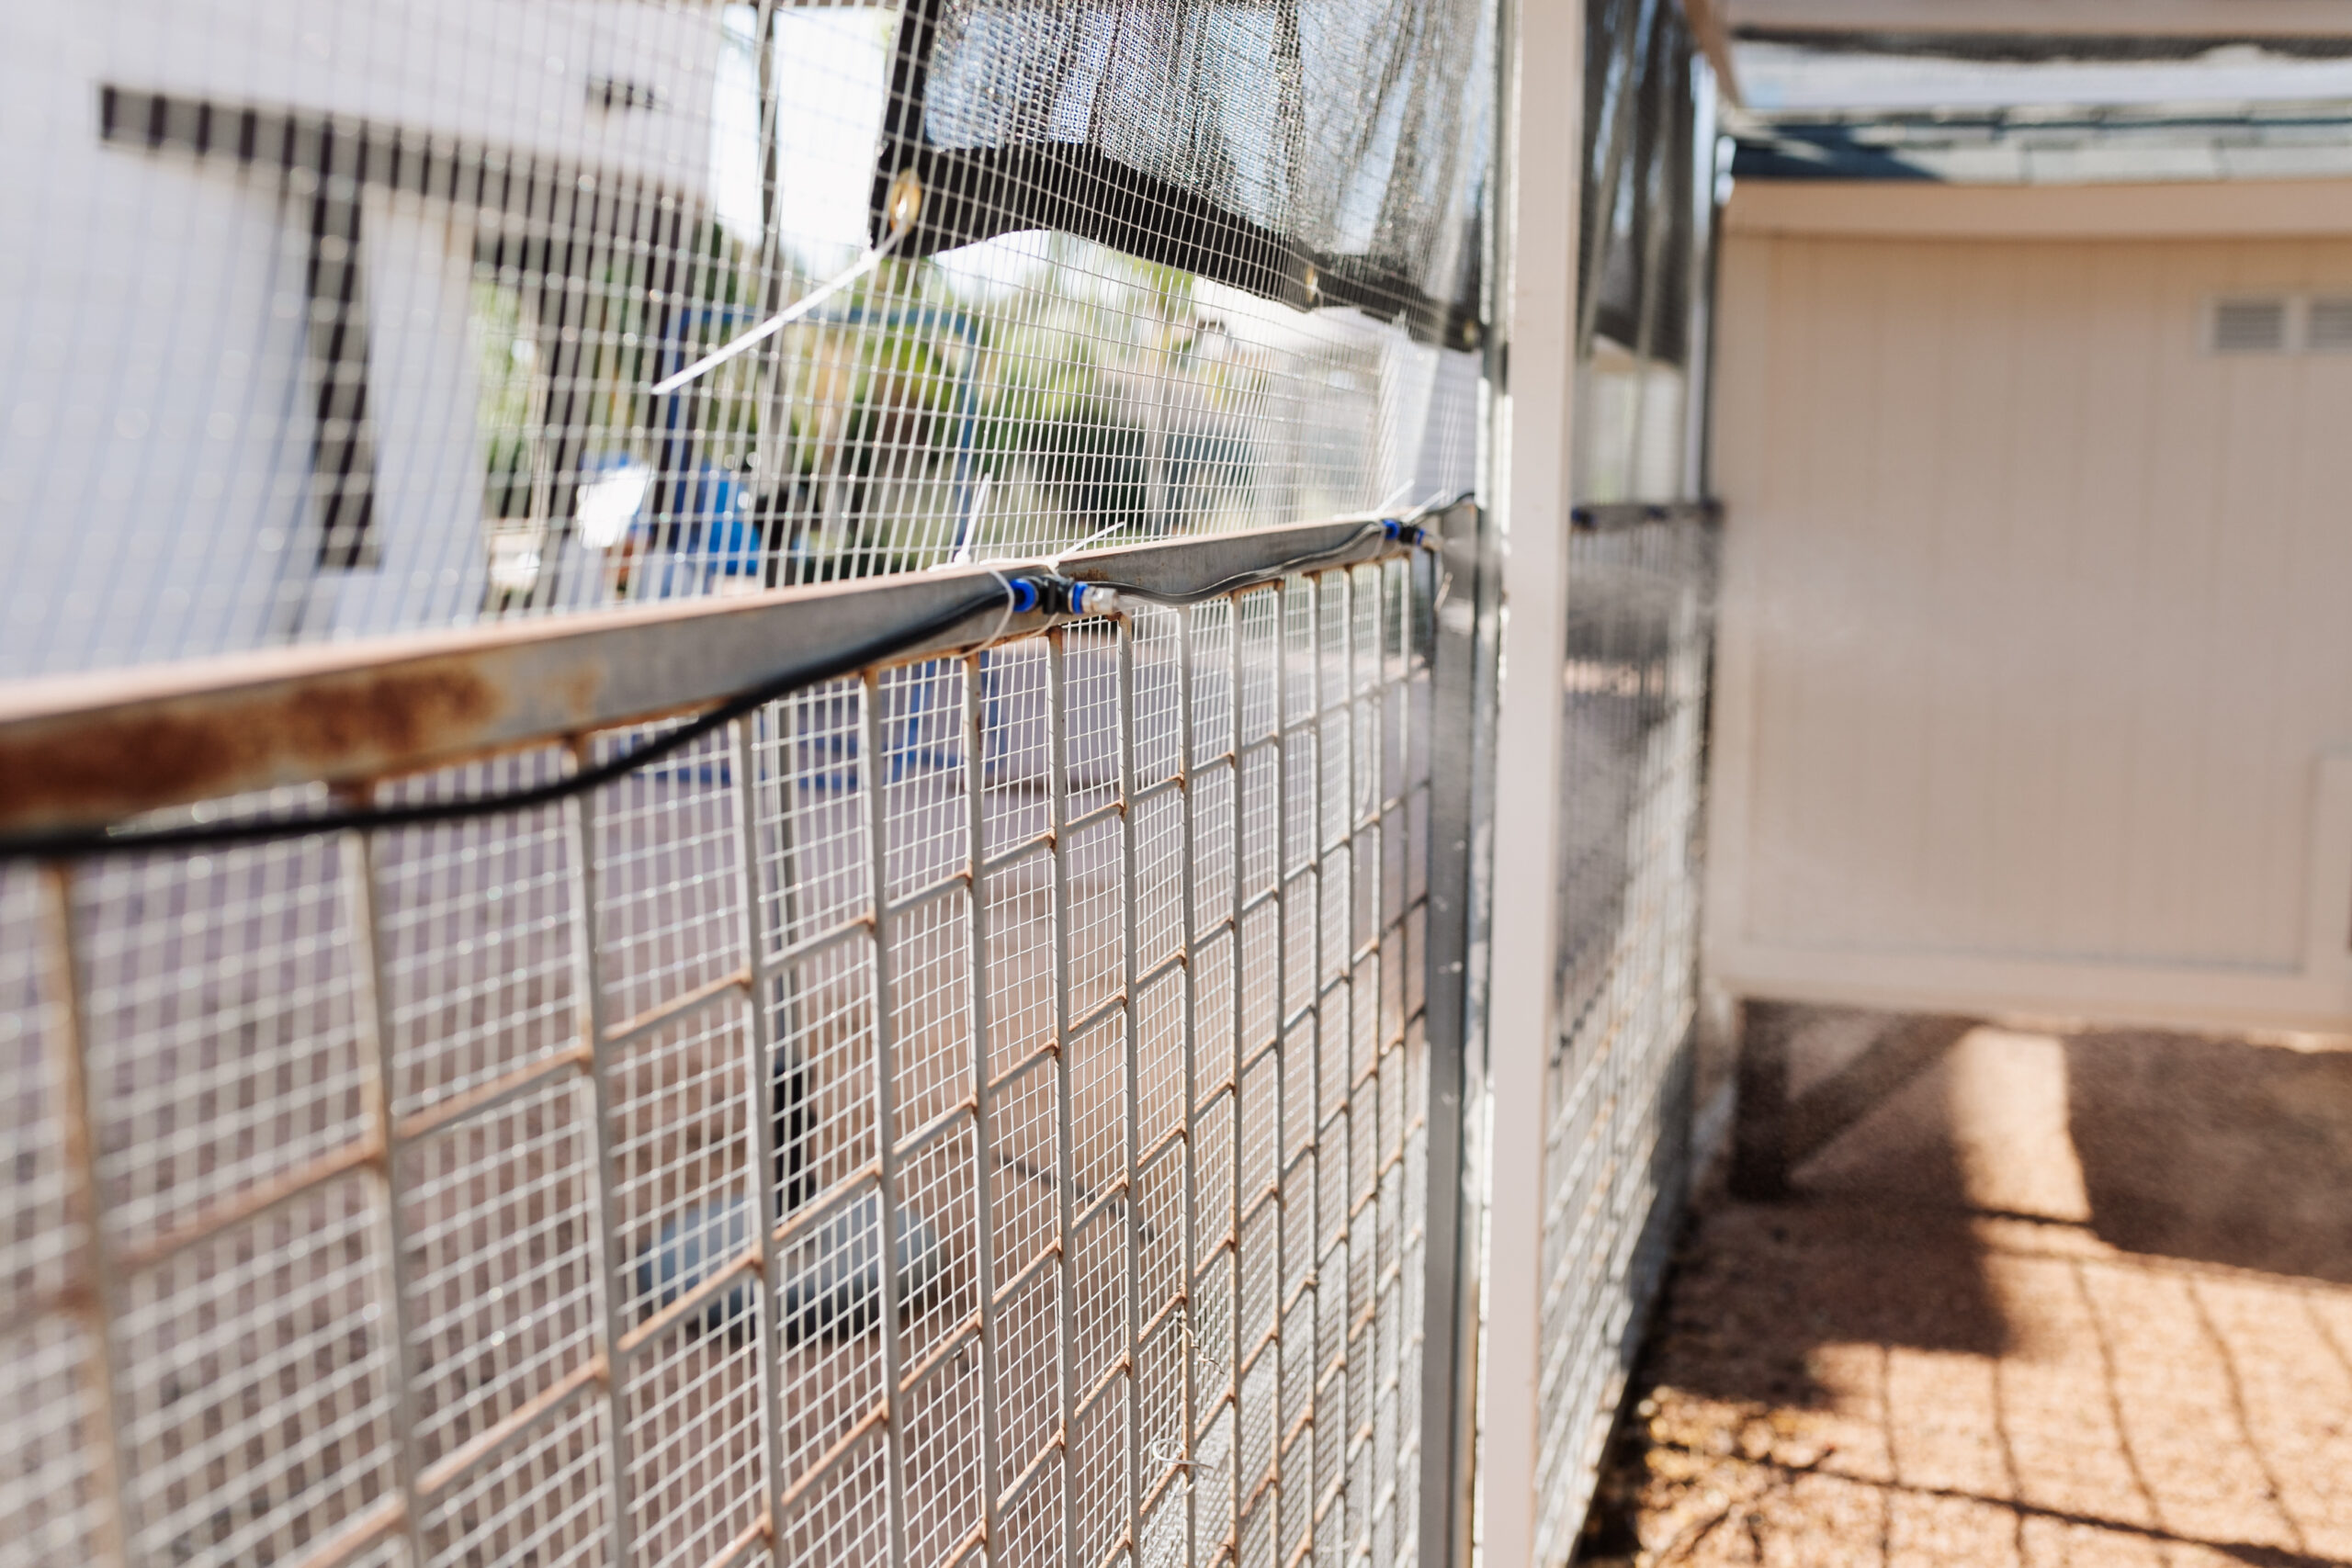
(347, 318)
(970, 1108)
(1616, 1145)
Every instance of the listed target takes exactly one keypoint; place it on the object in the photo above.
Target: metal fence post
(1065, 1129)
(97, 1303)
(873, 784)
(760, 1050)
(588, 976)
(363, 896)
(979, 1020)
(1461, 857)
(1187, 1390)
(1285, 770)
(1532, 436)
(1241, 1054)
(1131, 1087)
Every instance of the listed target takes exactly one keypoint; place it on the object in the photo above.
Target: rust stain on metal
(98, 767)
(580, 686)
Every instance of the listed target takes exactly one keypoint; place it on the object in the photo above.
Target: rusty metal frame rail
(84, 750)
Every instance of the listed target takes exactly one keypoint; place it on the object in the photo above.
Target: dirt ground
(2069, 1298)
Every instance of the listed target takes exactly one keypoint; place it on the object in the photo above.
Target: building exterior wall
(160, 455)
(2036, 679)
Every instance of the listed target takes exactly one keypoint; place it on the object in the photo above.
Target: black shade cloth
(1315, 151)
(1633, 276)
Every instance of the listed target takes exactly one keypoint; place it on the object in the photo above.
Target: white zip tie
(980, 494)
(906, 201)
(1006, 619)
(1053, 563)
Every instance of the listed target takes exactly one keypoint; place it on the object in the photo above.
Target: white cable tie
(1006, 619)
(1437, 501)
(1387, 511)
(1053, 563)
(972, 520)
(906, 201)
(781, 320)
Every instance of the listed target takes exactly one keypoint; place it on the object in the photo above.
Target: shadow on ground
(2210, 1150)
(1756, 1287)
(2148, 1158)
(2216, 1150)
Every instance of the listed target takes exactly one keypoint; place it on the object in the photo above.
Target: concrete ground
(2068, 1298)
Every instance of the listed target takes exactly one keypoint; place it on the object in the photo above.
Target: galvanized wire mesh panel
(1616, 1145)
(972, 1106)
(345, 318)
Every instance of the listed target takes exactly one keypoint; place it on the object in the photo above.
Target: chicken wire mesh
(1617, 1152)
(347, 318)
(975, 1106)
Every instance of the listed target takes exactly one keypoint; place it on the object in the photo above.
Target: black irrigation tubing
(73, 842)
(1241, 580)
(1043, 590)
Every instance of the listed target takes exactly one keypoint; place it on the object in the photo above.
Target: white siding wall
(155, 412)
(2037, 632)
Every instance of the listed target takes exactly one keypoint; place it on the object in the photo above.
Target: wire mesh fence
(1617, 1148)
(972, 1106)
(348, 318)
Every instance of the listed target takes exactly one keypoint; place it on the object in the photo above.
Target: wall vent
(2250, 326)
(2327, 324)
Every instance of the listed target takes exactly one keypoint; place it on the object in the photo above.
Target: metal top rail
(86, 749)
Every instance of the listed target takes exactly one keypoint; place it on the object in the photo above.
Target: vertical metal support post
(1627, 49)
(1340, 1098)
(1653, 248)
(97, 1303)
(759, 1080)
(1283, 765)
(1531, 435)
(1187, 1391)
(983, 1102)
(1414, 647)
(872, 776)
(1064, 1131)
(1460, 851)
(1319, 781)
(1132, 1201)
(1240, 994)
(371, 1011)
(588, 985)
(1700, 306)
(1368, 829)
